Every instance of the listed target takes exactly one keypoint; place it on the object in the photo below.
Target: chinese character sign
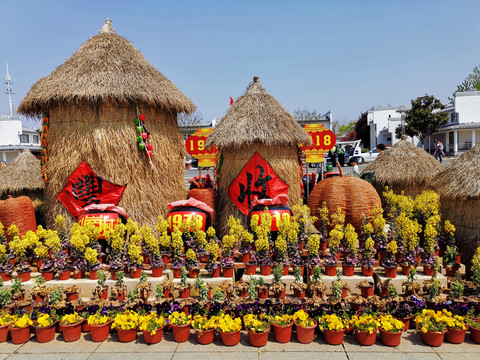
(256, 180)
(195, 146)
(104, 221)
(84, 187)
(323, 140)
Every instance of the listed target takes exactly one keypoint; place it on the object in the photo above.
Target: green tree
(420, 121)
(347, 128)
(362, 131)
(471, 82)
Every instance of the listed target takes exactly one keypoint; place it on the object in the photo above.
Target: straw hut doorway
(91, 101)
(403, 167)
(459, 190)
(256, 122)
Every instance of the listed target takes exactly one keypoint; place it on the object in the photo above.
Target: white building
(463, 128)
(383, 120)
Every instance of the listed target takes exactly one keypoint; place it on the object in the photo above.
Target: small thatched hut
(256, 122)
(459, 190)
(91, 101)
(403, 167)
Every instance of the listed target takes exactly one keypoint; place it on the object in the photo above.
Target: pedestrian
(439, 154)
(333, 156)
(356, 171)
(341, 155)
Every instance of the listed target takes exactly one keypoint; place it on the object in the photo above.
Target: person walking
(439, 154)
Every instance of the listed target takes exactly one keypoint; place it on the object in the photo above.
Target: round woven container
(18, 211)
(208, 196)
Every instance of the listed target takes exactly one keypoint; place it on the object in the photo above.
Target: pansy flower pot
(305, 334)
(181, 332)
(245, 258)
(5, 276)
(153, 339)
(258, 339)
(250, 268)
(333, 337)
(428, 269)
(406, 322)
(455, 336)
(78, 274)
(64, 275)
(433, 338)
(230, 338)
(348, 270)
(126, 335)
(215, 273)
(228, 271)
(283, 334)
(20, 335)
(390, 272)
(330, 270)
(135, 274)
(3, 333)
(475, 334)
(47, 275)
(390, 338)
(100, 332)
(72, 332)
(45, 334)
(266, 270)
(157, 271)
(25, 276)
(367, 270)
(205, 337)
(365, 338)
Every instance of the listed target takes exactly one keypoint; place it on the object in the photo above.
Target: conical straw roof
(404, 166)
(107, 67)
(23, 173)
(461, 179)
(257, 118)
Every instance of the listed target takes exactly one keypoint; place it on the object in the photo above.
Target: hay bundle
(91, 100)
(353, 195)
(459, 190)
(256, 122)
(404, 167)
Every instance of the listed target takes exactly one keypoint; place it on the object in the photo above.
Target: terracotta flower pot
(330, 270)
(153, 339)
(348, 270)
(135, 274)
(305, 334)
(20, 335)
(100, 332)
(258, 339)
(93, 275)
(78, 274)
(185, 293)
(71, 296)
(266, 269)
(228, 271)
(299, 293)
(428, 269)
(176, 273)
(25, 276)
(475, 334)
(3, 333)
(166, 259)
(85, 326)
(64, 275)
(365, 338)
(323, 245)
(390, 338)
(366, 291)
(47, 275)
(405, 269)
(126, 335)
(455, 336)
(5, 276)
(181, 332)
(283, 334)
(334, 337)
(286, 268)
(433, 338)
(72, 332)
(344, 293)
(230, 338)
(367, 270)
(205, 337)
(280, 294)
(406, 322)
(157, 271)
(450, 270)
(390, 272)
(250, 268)
(167, 293)
(263, 293)
(215, 273)
(193, 273)
(245, 258)
(45, 334)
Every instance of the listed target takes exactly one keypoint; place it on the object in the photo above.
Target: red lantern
(141, 117)
(149, 147)
(323, 140)
(149, 153)
(177, 215)
(144, 136)
(279, 212)
(104, 221)
(195, 146)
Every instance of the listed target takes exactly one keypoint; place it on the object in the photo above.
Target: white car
(369, 156)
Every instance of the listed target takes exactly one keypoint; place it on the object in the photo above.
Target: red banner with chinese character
(85, 187)
(256, 180)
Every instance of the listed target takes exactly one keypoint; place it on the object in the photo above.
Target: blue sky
(339, 55)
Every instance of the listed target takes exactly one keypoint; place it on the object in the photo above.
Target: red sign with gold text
(195, 146)
(104, 221)
(277, 217)
(175, 218)
(323, 140)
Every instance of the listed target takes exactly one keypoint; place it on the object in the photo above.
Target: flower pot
(25, 276)
(367, 270)
(428, 269)
(406, 322)
(104, 293)
(135, 274)
(250, 268)
(166, 259)
(39, 298)
(72, 332)
(167, 293)
(365, 338)
(153, 339)
(100, 332)
(85, 326)
(230, 338)
(348, 270)
(305, 334)
(205, 337)
(3, 333)
(177, 273)
(245, 258)
(227, 271)
(263, 293)
(390, 338)
(185, 293)
(298, 293)
(126, 335)
(366, 291)
(64, 275)
(405, 269)
(157, 271)
(381, 255)
(330, 270)
(280, 294)
(215, 273)
(390, 272)
(78, 274)
(286, 268)
(71, 296)
(450, 270)
(334, 337)
(258, 339)
(93, 275)
(459, 259)
(282, 334)
(5, 276)
(193, 273)
(475, 334)
(20, 335)
(433, 338)
(45, 334)
(266, 269)
(47, 275)
(455, 336)
(323, 245)
(344, 293)
(181, 332)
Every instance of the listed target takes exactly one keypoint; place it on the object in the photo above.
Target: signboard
(278, 215)
(195, 145)
(176, 218)
(323, 140)
(104, 221)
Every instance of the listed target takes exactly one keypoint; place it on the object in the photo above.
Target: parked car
(368, 156)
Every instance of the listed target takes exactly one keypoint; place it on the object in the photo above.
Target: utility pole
(9, 92)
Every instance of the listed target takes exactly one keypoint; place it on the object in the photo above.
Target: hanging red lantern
(141, 117)
(144, 136)
(149, 147)
(149, 153)
(195, 145)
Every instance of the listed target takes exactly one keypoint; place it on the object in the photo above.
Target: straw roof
(22, 174)
(107, 67)
(257, 118)
(404, 166)
(461, 180)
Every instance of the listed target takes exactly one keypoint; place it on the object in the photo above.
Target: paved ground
(411, 347)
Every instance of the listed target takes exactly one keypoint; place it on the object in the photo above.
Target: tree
(187, 123)
(420, 121)
(304, 116)
(345, 129)
(471, 82)
(362, 131)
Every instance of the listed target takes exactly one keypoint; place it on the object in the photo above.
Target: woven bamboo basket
(18, 211)
(206, 195)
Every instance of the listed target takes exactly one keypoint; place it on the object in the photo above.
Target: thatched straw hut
(256, 122)
(459, 190)
(403, 167)
(91, 100)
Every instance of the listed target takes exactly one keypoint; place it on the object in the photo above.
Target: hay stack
(404, 167)
(256, 122)
(459, 190)
(91, 100)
